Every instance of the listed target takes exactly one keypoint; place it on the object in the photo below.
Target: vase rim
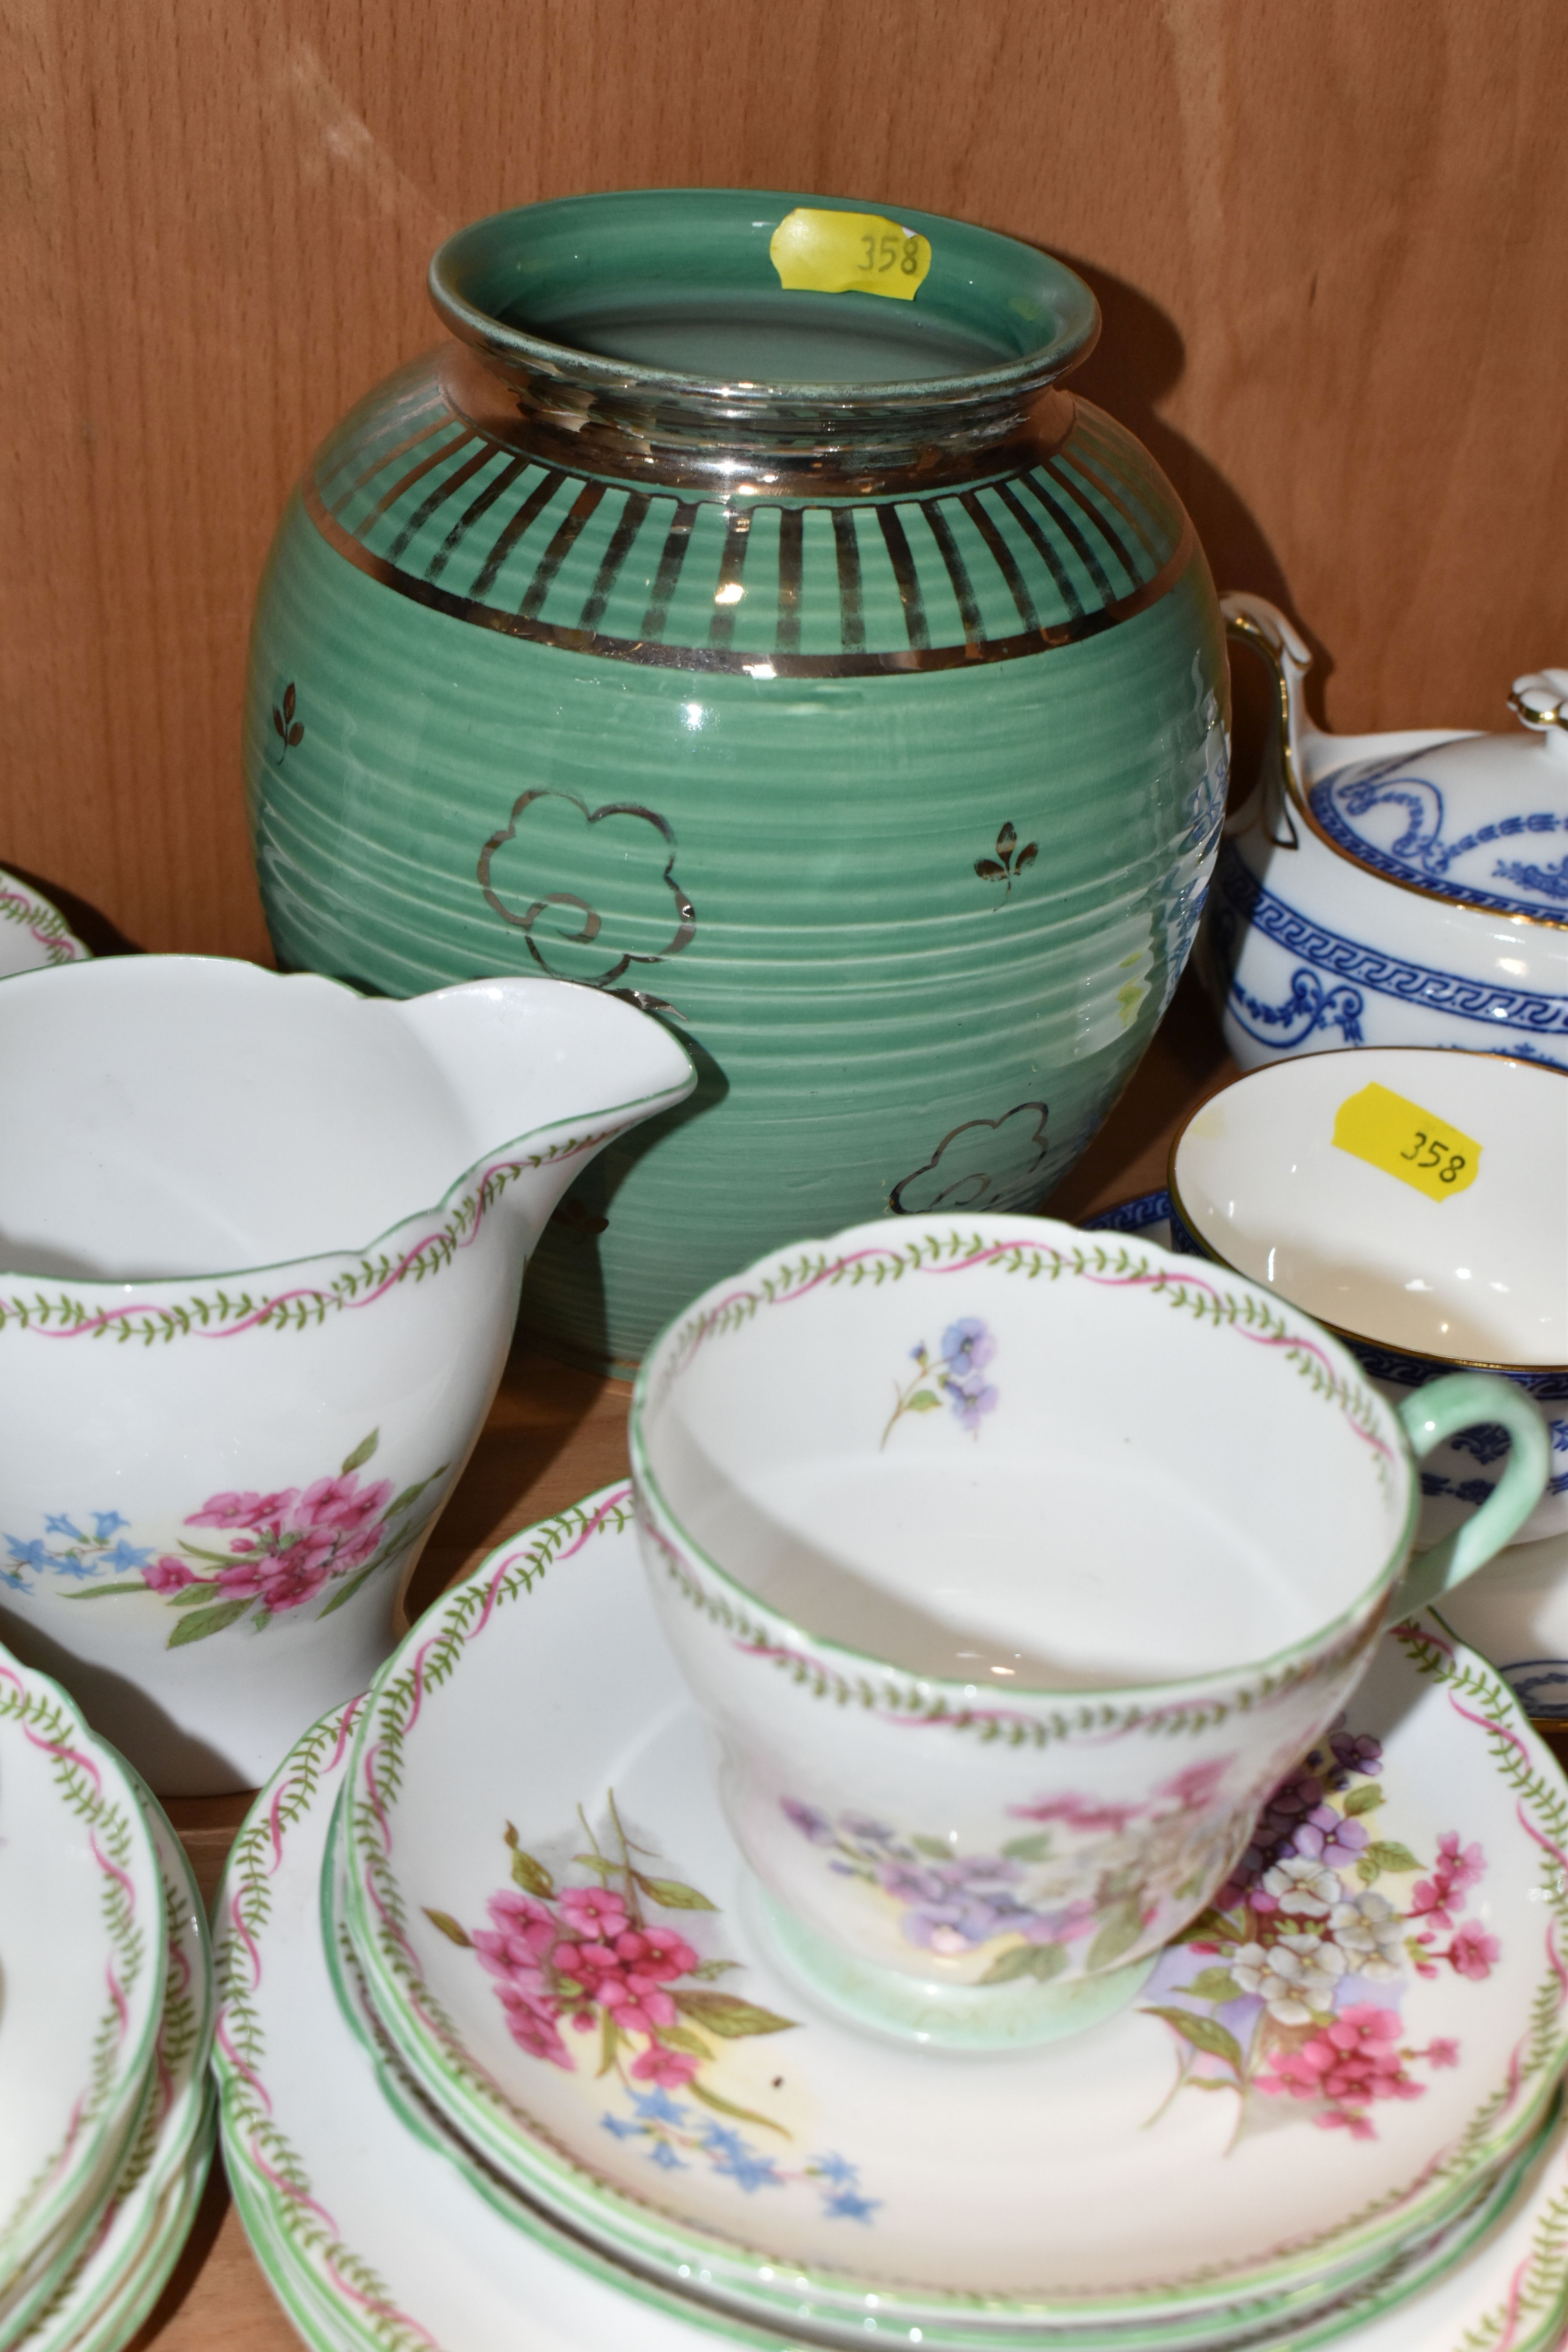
(1032, 287)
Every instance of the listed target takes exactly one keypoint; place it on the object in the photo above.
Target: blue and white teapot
(1394, 889)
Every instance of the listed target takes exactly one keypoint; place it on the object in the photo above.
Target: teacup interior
(169, 1116)
(1480, 1274)
(1081, 1481)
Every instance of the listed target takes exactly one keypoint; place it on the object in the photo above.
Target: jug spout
(261, 1244)
(544, 1066)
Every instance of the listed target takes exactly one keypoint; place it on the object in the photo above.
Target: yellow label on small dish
(834, 253)
(1393, 1133)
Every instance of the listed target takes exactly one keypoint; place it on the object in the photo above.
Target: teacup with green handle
(1015, 1543)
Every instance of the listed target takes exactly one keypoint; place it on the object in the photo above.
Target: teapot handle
(1254, 621)
(1440, 1409)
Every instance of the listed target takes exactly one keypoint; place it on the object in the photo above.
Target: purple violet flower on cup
(967, 1347)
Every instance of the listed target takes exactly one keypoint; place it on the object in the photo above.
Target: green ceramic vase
(806, 665)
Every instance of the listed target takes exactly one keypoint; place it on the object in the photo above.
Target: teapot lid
(1481, 819)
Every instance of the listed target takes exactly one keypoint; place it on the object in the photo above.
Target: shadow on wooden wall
(1327, 240)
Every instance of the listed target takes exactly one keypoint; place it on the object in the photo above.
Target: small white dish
(83, 1962)
(1268, 1179)
(1516, 1615)
(1399, 889)
(373, 2241)
(743, 2138)
(34, 935)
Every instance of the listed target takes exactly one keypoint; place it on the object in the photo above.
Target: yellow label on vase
(834, 253)
(1389, 1131)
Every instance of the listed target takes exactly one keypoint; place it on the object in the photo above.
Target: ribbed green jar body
(899, 804)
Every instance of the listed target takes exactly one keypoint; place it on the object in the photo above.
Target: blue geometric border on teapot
(1238, 897)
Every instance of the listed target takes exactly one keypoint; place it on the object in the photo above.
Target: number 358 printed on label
(1398, 1136)
(842, 253)
(891, 249)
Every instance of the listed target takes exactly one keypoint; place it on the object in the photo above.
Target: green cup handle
(1437, 1411)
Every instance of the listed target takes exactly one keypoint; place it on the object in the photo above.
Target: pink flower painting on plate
(592, 1981)
(1291, 1987)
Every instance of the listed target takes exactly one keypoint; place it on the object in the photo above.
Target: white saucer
(1244, 2325)
(105, 2312)
(136, 2239)
(803, 2162)
(82, 1968)
(376, 2242)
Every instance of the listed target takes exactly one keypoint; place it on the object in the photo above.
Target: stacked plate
(33, 933)
(106, 2015)
(503, 2038)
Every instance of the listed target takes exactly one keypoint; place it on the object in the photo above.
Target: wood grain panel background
(1328, 234)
